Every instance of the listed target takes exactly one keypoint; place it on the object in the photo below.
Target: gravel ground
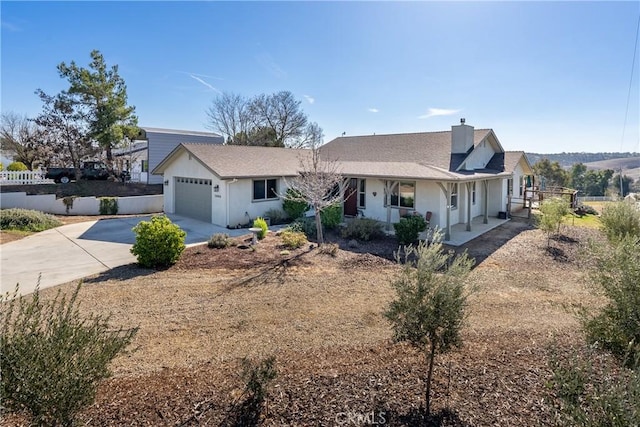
(320, 315)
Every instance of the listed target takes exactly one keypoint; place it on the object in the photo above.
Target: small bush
(306, 225)
(17, 167)
(27, 220)
(331, 217)
(262, 225)
(363, 229)
(329, 249)
(293, 239)
(108, 205)
(594, 393)
(52, 358)
(409, 228)
(620, 219)
(220, 241)
(616, 275)
(159, 242)
(294, 208)
(277, 216)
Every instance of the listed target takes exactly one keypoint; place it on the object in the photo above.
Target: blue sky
(546, 76)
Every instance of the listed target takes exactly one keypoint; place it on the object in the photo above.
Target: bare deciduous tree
(320, 183)
(230, 116)
(274, 120)
(24, 139)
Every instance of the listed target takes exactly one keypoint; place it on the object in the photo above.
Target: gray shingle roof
(425, 148)
(424, 155)
(511, 159)
(240, 161)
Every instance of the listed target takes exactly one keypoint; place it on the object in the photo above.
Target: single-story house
(151, 145)
(454, 175)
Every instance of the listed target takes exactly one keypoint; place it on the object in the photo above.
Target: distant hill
(630, 166)
(628, 162)
(567, 160)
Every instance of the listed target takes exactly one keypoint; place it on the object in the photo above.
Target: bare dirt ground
(321, 317)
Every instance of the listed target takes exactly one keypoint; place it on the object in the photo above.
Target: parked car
(88, 170)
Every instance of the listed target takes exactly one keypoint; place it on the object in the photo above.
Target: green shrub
(409, 228)
(108, 205)
(593, 393)
(616, 275)
(51, 358)
(159, 242)
(262, 225)
(620, 219)
(293, 239)
(17, 167)
(331, 216)
(306, 225)
(1, 166)
(27, 220)
(220, 241)
(276, 216)
(363, 229)
(294, 208)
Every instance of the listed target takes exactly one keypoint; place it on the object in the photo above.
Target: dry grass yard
(320, 316)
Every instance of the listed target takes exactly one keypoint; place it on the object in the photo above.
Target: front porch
(460, 235)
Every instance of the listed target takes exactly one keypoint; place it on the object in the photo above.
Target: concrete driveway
(74, 251)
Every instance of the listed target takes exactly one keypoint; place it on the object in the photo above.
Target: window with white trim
(454, 196)
(473, 192)
(403, 194)
(361, 193)
(265, 189)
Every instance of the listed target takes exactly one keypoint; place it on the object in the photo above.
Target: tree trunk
(431, 358)
(319, 227)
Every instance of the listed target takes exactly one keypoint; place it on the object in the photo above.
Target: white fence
(595, 199)
(23, 177)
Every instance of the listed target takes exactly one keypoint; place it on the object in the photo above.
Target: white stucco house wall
(454, 175)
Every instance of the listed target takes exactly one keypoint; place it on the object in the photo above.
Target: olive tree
(431, 298)
(553, 212)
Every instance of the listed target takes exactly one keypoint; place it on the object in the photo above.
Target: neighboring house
(154, 144)
(456, 175)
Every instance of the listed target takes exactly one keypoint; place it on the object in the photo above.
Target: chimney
(461, 138)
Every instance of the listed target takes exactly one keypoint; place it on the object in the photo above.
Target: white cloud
(10, 26)
(270, 65)
(309, 99)
(373, 110)
(198, 79)
(433, 112)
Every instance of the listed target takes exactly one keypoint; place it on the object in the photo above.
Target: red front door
(351, 198)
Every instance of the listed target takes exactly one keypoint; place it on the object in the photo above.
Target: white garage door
(193, 198)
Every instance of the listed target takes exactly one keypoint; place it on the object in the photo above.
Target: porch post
(468, 185)
(387, 196)
(485, 184)
(447, 196)
(343, 194)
